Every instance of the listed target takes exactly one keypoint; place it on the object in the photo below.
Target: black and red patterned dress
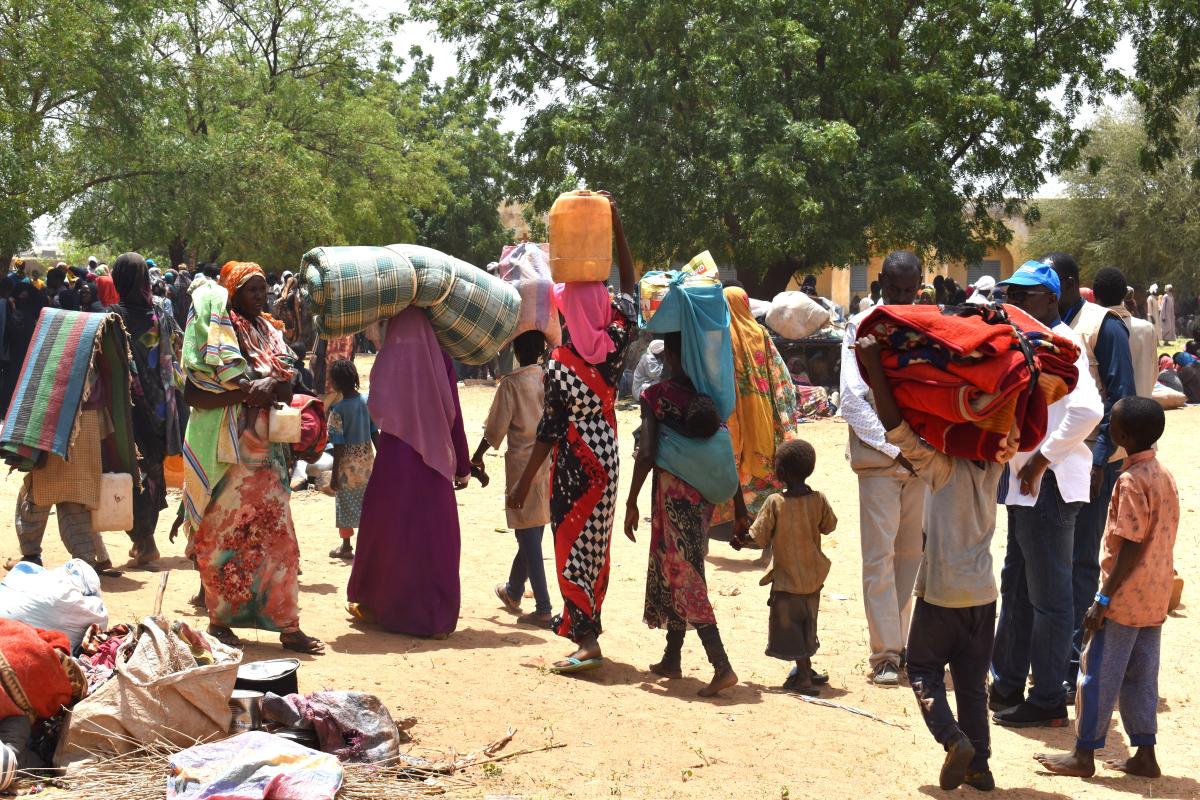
(580, 422)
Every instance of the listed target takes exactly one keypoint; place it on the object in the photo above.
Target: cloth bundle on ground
(350, 725)
(71, 353)
(1168, 398)
(473, 313)
(527, 268)
(66, 599)
(961, 377)
(314, 432)
(170, 684)
(37, 674)
(253, 766)
(795, 315)
(701, 315)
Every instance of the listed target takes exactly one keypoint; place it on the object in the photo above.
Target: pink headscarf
(411, 395)
(587, 310)
(1166, 363)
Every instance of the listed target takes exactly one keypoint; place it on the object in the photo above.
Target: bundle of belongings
(253, 766)
(526, 267)
(473, 313)
(71, 420)
(964, 376)
(38, 678)
(66, 600)
(353, 726)
(166, 683)
(699, 312)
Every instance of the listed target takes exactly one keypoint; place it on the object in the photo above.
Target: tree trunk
(766, 284)
(177, 251)
(5, 262)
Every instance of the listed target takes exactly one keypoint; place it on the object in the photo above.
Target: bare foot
(724, 679)
(674, 673)
(1142, 763)
(1074, 764)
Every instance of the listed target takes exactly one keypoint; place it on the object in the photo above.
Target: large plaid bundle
(69, 351)
(351, 288)
(962, 377)
(473, 313)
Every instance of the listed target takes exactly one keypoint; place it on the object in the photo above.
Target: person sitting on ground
(953, 620)
(515, 413)
(1121, 657)
(792, 524)
(352, 433)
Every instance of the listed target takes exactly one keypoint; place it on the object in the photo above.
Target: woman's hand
(461, 482)
(631, 519)
(260, 393)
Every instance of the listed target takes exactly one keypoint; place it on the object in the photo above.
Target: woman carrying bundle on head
(579, 426)
(678, 418)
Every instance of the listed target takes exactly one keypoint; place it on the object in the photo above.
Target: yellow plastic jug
(580, 237)
(116, 503)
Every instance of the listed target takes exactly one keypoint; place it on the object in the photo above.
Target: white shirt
(1069, 422)
(855, 408)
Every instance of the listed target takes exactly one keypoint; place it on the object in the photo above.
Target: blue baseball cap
(1035, 273)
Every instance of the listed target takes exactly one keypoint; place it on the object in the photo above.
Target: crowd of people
(1091, 512)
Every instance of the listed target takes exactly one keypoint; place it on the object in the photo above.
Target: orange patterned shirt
(1145, 509)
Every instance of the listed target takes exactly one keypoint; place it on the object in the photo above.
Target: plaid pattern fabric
(477, 317)
(350, 288)
(66, 347)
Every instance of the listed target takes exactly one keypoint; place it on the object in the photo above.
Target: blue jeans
(1034, 630)
(528, 565)
(1085, 573)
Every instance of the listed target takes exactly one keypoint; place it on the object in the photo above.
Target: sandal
(360, 613)
(514, 606)
(571, 665)
(225, 636)
(300, 643)
(345, 555)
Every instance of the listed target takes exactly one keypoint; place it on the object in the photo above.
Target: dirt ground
(630, 734)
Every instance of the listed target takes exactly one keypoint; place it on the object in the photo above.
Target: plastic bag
(795, 315)
(66, 599)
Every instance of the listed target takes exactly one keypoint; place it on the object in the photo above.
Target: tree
(1116, 213)
(790, 135)
(68, 73)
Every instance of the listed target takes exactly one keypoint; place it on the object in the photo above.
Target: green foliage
(789, 134)
(1116, 213)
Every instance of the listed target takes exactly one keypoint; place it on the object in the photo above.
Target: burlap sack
(159, 694)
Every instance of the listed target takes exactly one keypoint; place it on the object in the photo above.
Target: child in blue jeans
(515, 414)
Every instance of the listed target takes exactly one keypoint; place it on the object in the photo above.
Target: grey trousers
(74, 528)
(1120, 663)
(891, 515)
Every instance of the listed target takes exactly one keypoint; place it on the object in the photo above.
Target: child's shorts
(792, 631)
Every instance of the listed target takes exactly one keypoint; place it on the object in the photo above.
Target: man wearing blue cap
(1110, 359)
(1043, 490)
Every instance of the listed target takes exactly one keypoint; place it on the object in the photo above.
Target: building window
(858, 279)
(980, 268)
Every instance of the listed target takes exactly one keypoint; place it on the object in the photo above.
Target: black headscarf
(131, 279)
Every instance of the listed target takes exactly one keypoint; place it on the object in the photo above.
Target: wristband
(1103, 599)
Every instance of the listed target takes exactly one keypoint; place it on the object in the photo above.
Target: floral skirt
(676, 592)
(355, 473)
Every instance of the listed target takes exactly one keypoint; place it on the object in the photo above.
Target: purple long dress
(406, 567)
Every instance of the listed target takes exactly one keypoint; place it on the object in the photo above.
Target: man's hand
(260, 393)
(1030, 476)
(1097, 479)
(869, 351)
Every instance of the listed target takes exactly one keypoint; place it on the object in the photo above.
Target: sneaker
(886, 674)
(998, 701)
(981, 780)
(959, 753)
(1027, 715)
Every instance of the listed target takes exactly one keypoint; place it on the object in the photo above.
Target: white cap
(656, 347)
(985, 284)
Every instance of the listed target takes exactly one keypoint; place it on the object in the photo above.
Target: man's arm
(1116, 375)
(854, 408)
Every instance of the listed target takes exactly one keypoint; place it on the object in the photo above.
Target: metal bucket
(246, 706)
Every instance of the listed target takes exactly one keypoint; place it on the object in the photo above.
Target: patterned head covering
(235, 274)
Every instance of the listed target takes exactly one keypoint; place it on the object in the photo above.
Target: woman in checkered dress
(579, 428)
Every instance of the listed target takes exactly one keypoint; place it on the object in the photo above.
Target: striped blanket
(473, 313)
(69, 353)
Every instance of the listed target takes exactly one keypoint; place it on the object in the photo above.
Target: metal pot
(277, 675)
(246, 706)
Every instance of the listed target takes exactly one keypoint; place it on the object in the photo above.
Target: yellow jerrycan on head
(580, 237)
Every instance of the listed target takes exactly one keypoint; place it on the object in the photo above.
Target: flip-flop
(574, 665)
(513, 606)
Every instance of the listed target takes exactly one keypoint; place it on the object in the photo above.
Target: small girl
(792, 524)
(351, 432)
(515, 414)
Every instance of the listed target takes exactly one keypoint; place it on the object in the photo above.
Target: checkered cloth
(477, 313)
(351, 288)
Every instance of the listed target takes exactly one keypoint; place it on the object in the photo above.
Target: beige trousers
(891, 512)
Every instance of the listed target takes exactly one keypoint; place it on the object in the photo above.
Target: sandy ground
(630, 734)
